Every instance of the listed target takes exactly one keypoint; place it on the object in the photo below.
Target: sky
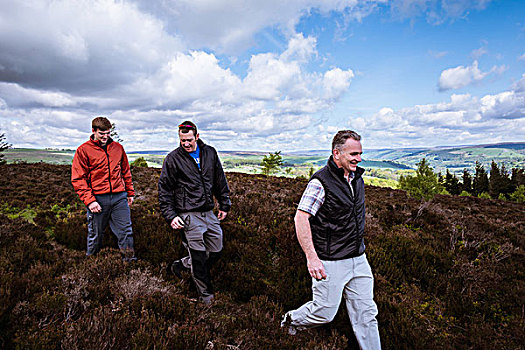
(265, 76)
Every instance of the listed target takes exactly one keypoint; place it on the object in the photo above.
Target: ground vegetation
(449, 272)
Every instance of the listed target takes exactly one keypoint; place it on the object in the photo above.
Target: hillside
(456, 159)
(449, 272)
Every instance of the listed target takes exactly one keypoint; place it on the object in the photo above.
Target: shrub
(484, 195)
(424, 185)
(518, 195)
(139, 162)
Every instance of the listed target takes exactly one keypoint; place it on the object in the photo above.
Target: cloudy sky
(263, 75)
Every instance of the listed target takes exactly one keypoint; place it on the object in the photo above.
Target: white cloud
(79, 45)
(436, 11)
(464, 119)
(150, 64)
(278, 95)
(519, 86)
(336, 81)
(476, 54)
(461, 76)
(15, 95)
(202, 22)
(300, 49)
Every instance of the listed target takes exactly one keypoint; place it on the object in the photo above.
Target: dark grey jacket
(184, 187)
(339, 225)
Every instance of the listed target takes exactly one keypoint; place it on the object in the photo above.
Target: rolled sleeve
(313, 197)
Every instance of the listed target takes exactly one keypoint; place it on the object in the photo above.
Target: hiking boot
(206, 299)
(287, 323)
(176, 268)
(128, 255)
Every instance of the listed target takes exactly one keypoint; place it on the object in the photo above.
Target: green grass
(17, 155)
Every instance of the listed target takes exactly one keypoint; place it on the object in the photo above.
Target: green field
(29, 155)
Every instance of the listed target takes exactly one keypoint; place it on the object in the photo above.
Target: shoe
(176, 268)
(287, 323)
(128, 255)
(206, 299)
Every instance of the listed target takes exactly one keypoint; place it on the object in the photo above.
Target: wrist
(312, 256)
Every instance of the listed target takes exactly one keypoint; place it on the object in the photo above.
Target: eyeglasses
(186, 126)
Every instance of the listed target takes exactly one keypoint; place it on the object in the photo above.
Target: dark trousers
(116, 212)
(203, 238)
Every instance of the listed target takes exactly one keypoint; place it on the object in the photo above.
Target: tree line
(499, 183)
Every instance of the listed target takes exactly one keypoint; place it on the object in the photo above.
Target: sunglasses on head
(186, 126)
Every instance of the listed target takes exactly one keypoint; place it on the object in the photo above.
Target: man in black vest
(330, 223)
(191, 176)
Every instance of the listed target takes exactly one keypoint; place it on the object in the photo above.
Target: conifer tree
(114, 133)
(517, 178)
(271, 163)
(424, 184)
(452, 184)
(499, 182)
(467, 181)
(3, 146)
(481, 180)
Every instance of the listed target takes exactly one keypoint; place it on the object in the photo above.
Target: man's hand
(94, 207)
(221, 215)
(316, 269)
(130, 201)
(177, 223)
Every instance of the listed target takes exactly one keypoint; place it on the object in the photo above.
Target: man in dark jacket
(102, 178)
(191, 176)
(330, 223)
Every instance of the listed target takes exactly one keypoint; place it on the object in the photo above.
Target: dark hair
(341, 137)
(101, 123)
(186, 126)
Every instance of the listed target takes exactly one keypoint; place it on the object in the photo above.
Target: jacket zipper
(201, 156)
(109, 169)
(200, 172)
(358, 239)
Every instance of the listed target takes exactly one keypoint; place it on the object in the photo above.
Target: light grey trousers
(351, 278)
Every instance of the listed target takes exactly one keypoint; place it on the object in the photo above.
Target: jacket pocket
(180, 198)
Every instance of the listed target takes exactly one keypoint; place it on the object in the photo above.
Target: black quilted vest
(339, 225)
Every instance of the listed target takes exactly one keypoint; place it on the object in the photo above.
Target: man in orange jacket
(102, 178)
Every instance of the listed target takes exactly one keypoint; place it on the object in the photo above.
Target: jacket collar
(181, 150)
(200, 143)
(92, 139)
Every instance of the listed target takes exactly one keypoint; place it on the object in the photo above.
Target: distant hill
(453, 158)
(456, 158)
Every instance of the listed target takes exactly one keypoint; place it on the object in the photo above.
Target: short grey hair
(341, 137)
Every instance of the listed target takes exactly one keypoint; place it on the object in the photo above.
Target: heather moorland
(449, 272)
